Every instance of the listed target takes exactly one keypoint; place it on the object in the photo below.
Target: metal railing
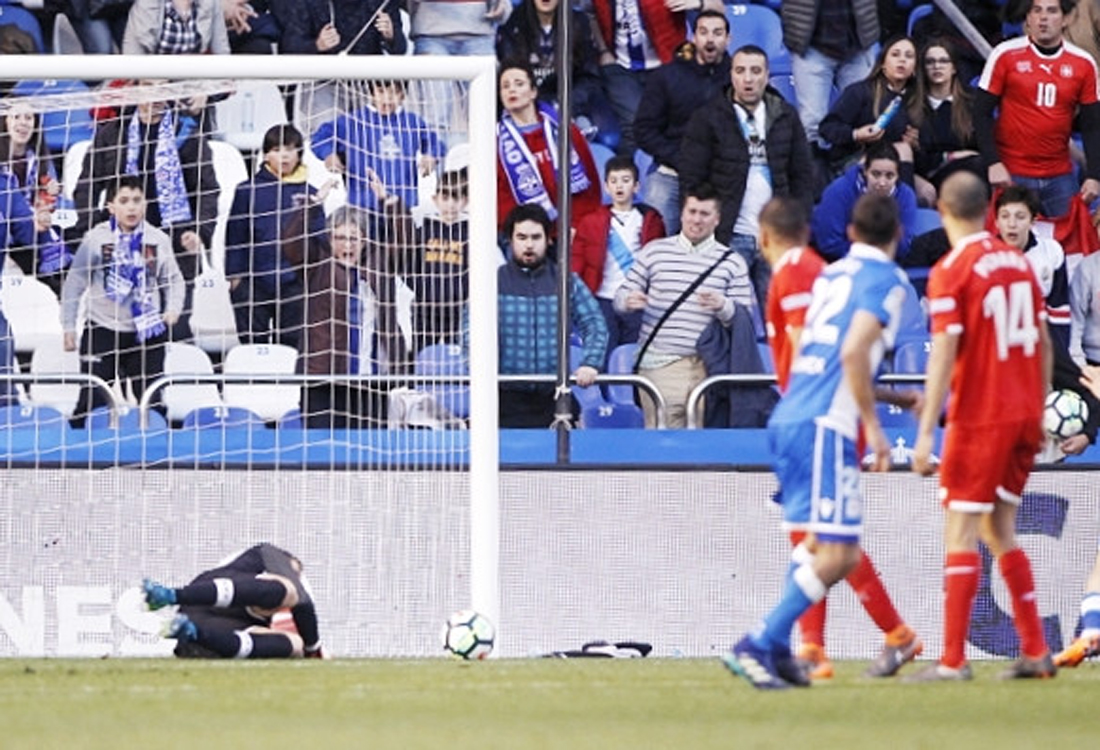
(67, 378)
(698, 391)
(390, 380)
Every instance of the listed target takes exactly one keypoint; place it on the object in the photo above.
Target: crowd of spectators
(872, 110)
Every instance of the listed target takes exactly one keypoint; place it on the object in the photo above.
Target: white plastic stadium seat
(32, 310)
(51, 358)
(230, 170)
(180, 400)
(268, 401)
(246, 115)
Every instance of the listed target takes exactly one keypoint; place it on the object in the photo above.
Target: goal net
(253, 300)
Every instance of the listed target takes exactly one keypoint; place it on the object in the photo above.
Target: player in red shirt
(1039, 83)
(784, 238)
(989, 339)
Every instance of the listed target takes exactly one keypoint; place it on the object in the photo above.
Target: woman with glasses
(947, 142)
(882, 107)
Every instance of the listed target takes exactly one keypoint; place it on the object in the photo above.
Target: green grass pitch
(683, 704)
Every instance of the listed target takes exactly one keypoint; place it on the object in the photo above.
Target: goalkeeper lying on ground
(227, 612)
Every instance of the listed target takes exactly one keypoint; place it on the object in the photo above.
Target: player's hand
(1090, 188)
(879, 446)
(497, 12)
(334, 163)
(710, 300)
(43, 218)
(911, 136)
(170, 318)
(1074, 445)
(194, 105)
(585, 375)
(911, 400)
(636, 301)
(998, 175)
(922, 456)
(374, 182)
(384, 26)
(328, 39)
(70, 341)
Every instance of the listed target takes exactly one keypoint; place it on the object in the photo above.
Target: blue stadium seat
(784, 84)
(621, 362)
(441, 360)
(60, 128)
(894, 417)
(917, 14)
(222, 417)
(292, 420)
(601, 153)
(766, 357)
(128, 420)
(25, 21)
(612, 416)
(914, 323)
(643, 161)
(759, 25)
(911, 357)
(15, 416)
(927, 220)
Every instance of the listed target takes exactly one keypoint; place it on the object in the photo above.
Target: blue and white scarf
(521, 168)
(171, 190)
(126, 280)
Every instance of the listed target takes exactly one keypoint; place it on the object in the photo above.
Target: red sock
(1016, 569)
(867, 584)
(960, 585)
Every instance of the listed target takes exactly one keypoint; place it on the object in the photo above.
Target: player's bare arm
(855, 354)
(945, 347)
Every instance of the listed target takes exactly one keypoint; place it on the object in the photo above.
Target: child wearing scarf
(135, 293)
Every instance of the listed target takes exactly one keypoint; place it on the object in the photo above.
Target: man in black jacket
(749, 152)
(672, 95)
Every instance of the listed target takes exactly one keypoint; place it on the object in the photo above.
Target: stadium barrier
(687, 560)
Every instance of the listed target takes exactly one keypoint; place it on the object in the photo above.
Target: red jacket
(583, 202)
(667, 29)
(589, 253)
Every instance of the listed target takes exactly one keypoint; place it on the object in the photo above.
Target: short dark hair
(875, 219)
(514, 64)
(283, 135)
(750, 49)
(704, 191)
(710, 14)
(963, 195)
(1019, 194)
(881, 150)
(527, 212)
(125, 181)
(788, 217)
(454, 183)
(620, 163)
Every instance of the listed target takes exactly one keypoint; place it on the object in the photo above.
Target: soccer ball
(468, 635)
(1064, 414)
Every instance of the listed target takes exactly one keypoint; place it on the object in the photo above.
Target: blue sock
(775, 632)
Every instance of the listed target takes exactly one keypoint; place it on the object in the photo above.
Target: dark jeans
(339, 406)
(527, 406)
(264, 317)
(118, 355)
(621, 329)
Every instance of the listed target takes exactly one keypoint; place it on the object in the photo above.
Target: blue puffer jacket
(528, 320)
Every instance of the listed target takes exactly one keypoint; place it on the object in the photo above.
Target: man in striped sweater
(658, 277)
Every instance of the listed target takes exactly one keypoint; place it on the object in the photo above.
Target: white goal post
(479, 73)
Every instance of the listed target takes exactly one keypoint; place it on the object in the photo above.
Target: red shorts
(982, 465)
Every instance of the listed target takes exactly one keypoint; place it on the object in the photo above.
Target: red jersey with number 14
(985, 292)
(788, 297)
(1039, 98)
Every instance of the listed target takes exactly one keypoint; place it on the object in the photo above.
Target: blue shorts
(818, 474)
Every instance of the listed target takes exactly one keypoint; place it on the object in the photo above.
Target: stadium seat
(442, 360)
(621, 362)
(129, 420)
(784, 84)
(894, 417)
(32, 310)
(14, 416)
(292, 420)
(50, 358)
(643, 161)
(268, 401)
(25, 21)
(601, 154)
(222, 417)
(911, 357)
(917, 14)
(928, 219)
(72, 166)
(914, 323)
(244, 116)
(766, 357)
(230, 170)
(612, 416)
(181, 399)
(759, 25)
(60, 128)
